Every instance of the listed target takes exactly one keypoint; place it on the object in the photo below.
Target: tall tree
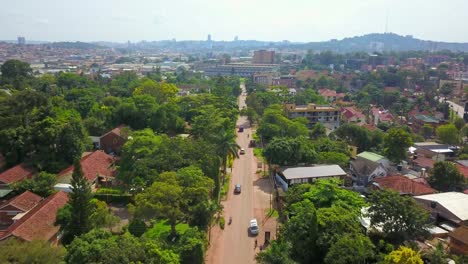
(351, 249)
(74, 218)
(399, 217)
(226, 146)
(448, 134)
(446, 177)
(276, 253)
(396, 143)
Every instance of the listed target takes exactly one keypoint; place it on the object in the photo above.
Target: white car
(242, 151)
(253, 227)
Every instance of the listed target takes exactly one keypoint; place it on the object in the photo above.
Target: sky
(268, 20)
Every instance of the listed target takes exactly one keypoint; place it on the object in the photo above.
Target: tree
(399, 217)
(446, 177)
(137, 227)
(354, 135)
(42, 184)
(446, 89)
(74, 218)
(459, 123)
(13, 251)
(162, 200)
(333, 158)
(396, 143)
(301, 232)
(276, 253)
(448, 134)
(162, 91)
(437, 255)
(350, 249)
(101, 216)
(403, 255)
(318, 130)
(226, 146)
(290, 151)
(16, 73)
(427, 131)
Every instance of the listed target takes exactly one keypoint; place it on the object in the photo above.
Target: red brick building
(17, 205)
(112, 141)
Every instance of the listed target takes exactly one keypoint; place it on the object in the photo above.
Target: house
(112, 141)
(310, 174)
(450, 206)
(97, 169)
(381, 116)
(38, 223)
(331, 95)
(17, 205)
(401, 184)
(418, 121)
(458, 240)
(462, 166)
(352, 115)
(16, 174)
(433, 150)
(368, 166)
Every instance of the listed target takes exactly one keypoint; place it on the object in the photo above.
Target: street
(234, 244)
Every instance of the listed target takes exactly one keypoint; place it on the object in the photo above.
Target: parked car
(237, 188)
(253, 227)
(242, 151)
(241, 129)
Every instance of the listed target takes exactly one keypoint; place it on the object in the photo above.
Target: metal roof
(313, 172)
(455, 202)
(370, 156)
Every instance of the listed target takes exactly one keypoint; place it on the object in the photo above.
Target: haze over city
(271, 20)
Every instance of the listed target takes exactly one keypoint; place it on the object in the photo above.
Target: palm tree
(226, 145)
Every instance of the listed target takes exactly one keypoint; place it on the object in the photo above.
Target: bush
(109, 191)
(114, 198)
(137, 227)
(222, 222)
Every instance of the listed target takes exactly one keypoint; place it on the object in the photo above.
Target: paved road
(233, 244)
(460, 110)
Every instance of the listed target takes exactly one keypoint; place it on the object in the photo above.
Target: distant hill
(384, 42)
(75, 45)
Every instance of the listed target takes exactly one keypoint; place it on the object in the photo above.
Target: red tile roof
(330, 93)
(350, 112)
(370, 127)
(463, 170)
(95, 164)
(460, 234)
(424, 162)
(404, 185)
(16, 174)
(38, 223)
(25, 201)
(117, 131)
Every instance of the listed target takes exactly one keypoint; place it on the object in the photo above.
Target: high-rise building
(236, 38)
(209, 38)
(21, 40)
(209, 42)
(263, 57)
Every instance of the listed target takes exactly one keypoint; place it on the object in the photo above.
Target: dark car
(237, 188)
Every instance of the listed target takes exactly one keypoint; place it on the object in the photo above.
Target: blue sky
(294, 20)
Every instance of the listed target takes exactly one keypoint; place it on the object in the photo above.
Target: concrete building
(21, 41)
(285, 80)
(448, 206)
(297, 175)
(329, 116)
(263, 57)
(264, 78)
(240, 69)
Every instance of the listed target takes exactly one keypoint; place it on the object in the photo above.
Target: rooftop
(25, 201)
(403, 185)
(16, 174)
(313, 172)
(94, 164)
(38, 223)
(371, 156)
(455, 202)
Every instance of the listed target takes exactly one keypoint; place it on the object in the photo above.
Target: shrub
(222, 222)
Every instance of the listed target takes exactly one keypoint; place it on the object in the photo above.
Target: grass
(258, 152)
(162, 229)
(225, 187)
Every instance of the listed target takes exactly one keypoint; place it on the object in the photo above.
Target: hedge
(114, 198)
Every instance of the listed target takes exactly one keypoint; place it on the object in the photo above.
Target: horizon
(269, 20)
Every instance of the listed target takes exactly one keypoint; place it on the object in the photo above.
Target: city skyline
(296, 21)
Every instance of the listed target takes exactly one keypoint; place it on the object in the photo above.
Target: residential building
(17, 205)
(447, 206)
(331, 95)
(418, 121)
(98, 169)
(39, 222)
(329, 116)
(263, 57)
(112, 141)
(16, 174)
(433, 150)
(297, 175)
(458, 240)
(368, 166)
(264, 78)
(352, 115)
(400, 184)
(381, 116)
(285, 80)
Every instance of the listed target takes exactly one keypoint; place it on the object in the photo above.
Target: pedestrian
(261, 247)
(255, 243)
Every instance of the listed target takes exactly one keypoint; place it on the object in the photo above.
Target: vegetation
(446, 177)
(13, 251)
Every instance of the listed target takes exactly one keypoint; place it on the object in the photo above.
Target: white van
(253, 227)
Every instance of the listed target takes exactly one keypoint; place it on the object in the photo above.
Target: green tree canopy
(351, 249)
(396, 143)
(448, 134)
(446, 177)
(13, 251)
(403, 255)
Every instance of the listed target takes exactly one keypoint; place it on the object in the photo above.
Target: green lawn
(162, 229)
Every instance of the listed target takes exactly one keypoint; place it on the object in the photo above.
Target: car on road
(237, 188)
(242, 151)
(253, 228)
